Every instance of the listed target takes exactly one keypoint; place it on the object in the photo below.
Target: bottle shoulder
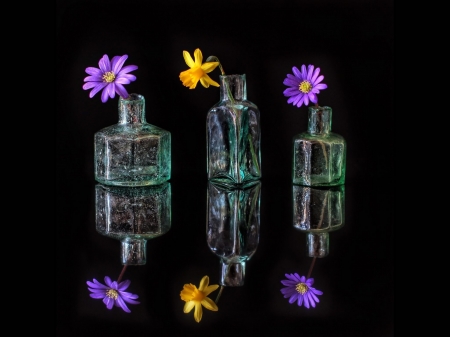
(133, 129)
(329, 137)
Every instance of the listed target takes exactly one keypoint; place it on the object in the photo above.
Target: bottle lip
(232, 75)
(133, 97)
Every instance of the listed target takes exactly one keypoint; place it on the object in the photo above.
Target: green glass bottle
(319, 155)
(132, 152)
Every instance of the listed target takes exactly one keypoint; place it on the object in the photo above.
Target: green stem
(218, 295)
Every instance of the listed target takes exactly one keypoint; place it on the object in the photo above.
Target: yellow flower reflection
(197, 71)
(197, 297)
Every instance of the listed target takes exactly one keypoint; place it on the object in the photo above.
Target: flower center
(109, 77)
(301, 288)
(198, 295)
(111, 293)
(305, 87)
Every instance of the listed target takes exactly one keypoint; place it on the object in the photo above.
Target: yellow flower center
(305, 87)
(111, 293)
(109, 77)
(301, 288)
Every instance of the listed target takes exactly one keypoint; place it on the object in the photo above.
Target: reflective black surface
(352, 42)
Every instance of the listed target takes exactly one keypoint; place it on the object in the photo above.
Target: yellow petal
(204, 283)
(188, 306)
(209, 304)
(210, 289)
(209, 66)
(188, 59)
(210, 80)
(198, 56)
(204, 82)
(198, 313)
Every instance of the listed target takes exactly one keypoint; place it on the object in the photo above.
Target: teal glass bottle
(233, 134)
(233, 227)
(132, 152)
(319, 155)
(133, 215)
(317, 211)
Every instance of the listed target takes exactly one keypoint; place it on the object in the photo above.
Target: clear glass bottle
(317, 211)
(232, 228)
(132, 152)
(233, 134)
(133, 215)
(319, 155)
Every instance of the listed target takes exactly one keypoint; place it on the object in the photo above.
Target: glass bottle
(233, 134)
(232, 229)
(318, 154)
(133, 215)
(317, 211)
(132, 152)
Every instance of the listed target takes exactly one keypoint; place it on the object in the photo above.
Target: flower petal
(209, 304)
(104, 64)
(315, 291)
(291, 82)
(98, 87)
(204, 283)
(188, 306)
(122, 304)
(109, 302)
(198, 56)
(314, 76)
(310, 72)
(209, 66)
(300, 300)
(97, 295)
(123, 285)
(117, 63)
(188, 59)
(210, 81)
(204, 83)
(208, 290)
(294, 298)
(93, 79)
(126, 70)
(121, 91)
(297, 72)
(93, 71)
(198, 312)
(96, 284)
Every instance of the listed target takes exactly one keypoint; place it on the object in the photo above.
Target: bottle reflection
(133, 215)
(232, 229)
(317, 212)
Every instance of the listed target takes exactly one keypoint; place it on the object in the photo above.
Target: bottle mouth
(233, 274)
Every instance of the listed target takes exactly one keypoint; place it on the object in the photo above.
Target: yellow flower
(197, 71)
(197, 297)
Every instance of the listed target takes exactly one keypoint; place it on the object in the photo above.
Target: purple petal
(311, 300)
(122, 304)
(318, 80)
(93, 71)
(310, 72)
(122, 80)
(121, 91)
(129, 77)
(117, 63)
(304, 72)
(315, 291)
(290, 92)
(295, 102)
(109, 302)
(292, 77)
(321, 86)
(313, 297)
(291, 100)
(127, 69)
(298, 278)
(104, 96)
(126, 294)
(312, 97)
(97, 295)
(108, 281)
(123, 285)
(93, 79)
(306, 301)
(96, 284)
(89, 85)
(314, 76)
(305, 99)
(299, 103)
(291, 83)
(104, 64)
(98, 87)
(300, 300)
(111, 90)
(310, 281)
(129, 300)
(288, 283)
(294, 298)
(297, 72)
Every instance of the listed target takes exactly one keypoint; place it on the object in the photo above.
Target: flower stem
(311, 267)
(218, 295)
(121, 273)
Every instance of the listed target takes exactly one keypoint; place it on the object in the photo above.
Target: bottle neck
(132, 110)
(319, 120)
(233, 87)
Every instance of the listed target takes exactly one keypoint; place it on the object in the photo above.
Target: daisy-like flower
(113, 293)
(197, 71)
(197, 297)
(110, 76)
(300, 289)
(303, 85)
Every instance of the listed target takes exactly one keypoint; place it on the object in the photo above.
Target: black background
(353, 44)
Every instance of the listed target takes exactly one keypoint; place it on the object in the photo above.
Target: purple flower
(303, 85)
(110, 77)
(299, 289)
(112, 293)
